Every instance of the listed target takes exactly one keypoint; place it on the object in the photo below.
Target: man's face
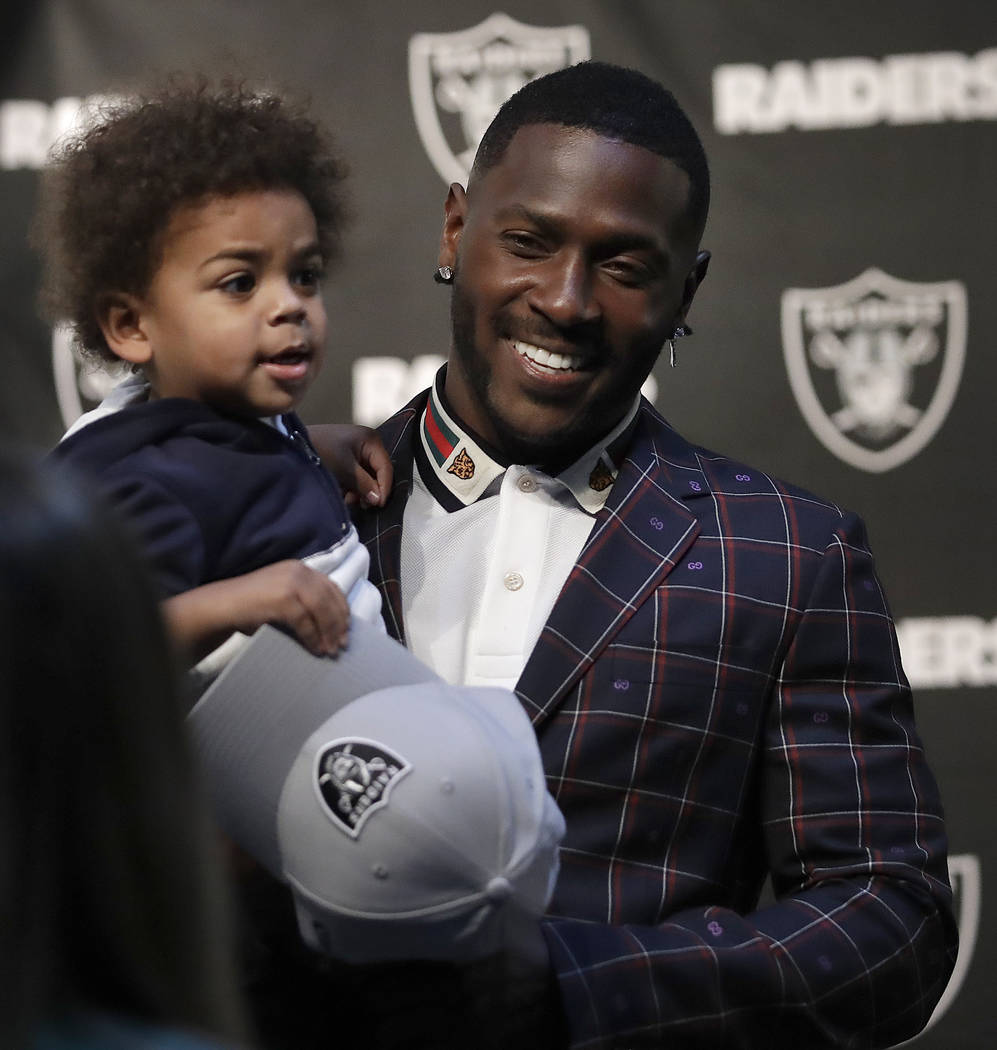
(573, 263)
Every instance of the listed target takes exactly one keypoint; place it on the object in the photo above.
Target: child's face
(234, 315)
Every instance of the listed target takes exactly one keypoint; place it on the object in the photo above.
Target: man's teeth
(537, 354)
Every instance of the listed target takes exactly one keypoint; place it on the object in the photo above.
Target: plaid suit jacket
(718, 698)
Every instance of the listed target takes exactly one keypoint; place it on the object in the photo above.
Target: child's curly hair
(111, 189)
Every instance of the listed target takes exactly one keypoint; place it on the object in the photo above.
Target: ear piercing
(680, 331)
(444, 275)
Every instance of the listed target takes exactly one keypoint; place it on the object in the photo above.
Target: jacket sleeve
(860, 940)
(167, 531)
(347, 564)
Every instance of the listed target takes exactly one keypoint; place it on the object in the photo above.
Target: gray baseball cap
(409, 817)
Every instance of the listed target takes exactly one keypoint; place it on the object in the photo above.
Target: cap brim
(249, 726)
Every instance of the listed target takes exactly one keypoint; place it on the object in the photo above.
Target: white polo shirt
(486, 546)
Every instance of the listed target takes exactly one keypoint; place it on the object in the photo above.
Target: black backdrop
(844, 337)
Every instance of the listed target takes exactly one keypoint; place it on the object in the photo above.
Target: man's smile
(558, 362)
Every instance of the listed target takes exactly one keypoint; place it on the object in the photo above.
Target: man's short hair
(614, 102)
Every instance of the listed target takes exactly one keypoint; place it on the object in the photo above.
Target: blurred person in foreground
(112, 908)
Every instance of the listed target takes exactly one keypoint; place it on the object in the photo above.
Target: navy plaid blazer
(718, 698)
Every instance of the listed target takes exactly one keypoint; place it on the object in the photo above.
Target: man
(705, 652)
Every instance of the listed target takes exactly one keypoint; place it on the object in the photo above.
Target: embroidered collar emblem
(601, 477)
(462, 466)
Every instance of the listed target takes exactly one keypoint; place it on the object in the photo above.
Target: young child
(188, 233)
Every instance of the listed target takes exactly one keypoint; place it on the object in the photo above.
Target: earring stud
(443, 275)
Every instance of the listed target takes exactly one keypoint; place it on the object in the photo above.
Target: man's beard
(552, 450)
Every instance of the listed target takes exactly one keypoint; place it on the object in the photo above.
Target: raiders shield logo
(80, 385)
(459, 80)
(354, 777)
(875, 363)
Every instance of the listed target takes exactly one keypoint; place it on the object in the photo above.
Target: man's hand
(357, 458)
(287, 593)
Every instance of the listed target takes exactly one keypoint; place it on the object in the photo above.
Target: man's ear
(454, 213)
(119, 315)
(694, 279)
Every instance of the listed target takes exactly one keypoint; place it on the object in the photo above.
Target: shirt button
(527, 483)
(513, 581)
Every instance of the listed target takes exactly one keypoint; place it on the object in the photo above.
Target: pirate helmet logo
(875, 363)
(353, 777)
(458, 80)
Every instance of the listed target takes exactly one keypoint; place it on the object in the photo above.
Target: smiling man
(576, 262)
(705, 651)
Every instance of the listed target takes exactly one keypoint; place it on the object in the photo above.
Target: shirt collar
(459, 468)
(133, 389)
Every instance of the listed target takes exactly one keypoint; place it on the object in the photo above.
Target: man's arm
(860, 941)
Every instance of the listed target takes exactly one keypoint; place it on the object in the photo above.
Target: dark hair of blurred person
(111, 905)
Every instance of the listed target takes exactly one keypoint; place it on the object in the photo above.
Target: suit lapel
(381, 530)
(638, 538)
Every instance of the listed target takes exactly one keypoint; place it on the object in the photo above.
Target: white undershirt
(478, 583)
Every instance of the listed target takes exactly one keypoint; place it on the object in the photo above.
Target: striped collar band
(459, 468)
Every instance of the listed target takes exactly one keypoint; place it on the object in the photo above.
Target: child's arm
(357, 458)
(287, 593)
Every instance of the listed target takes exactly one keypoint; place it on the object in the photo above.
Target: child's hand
(287, 593)
(357, 458)
(301, 599)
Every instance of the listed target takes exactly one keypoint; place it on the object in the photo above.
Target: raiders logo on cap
(354, 777)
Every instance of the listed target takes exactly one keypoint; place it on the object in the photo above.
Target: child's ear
(119, 315)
